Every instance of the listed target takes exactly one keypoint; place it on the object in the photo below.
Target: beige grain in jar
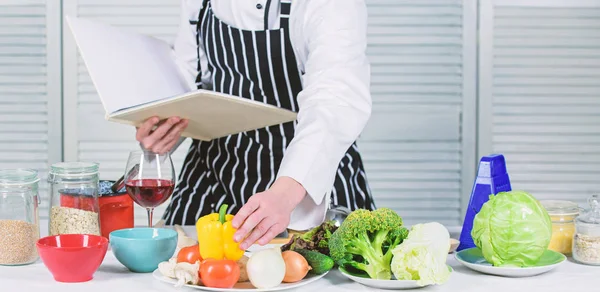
(17, 242)
(586, 242)
(19, 220)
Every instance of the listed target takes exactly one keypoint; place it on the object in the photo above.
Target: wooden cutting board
(282, 240)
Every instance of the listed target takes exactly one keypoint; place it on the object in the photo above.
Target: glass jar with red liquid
(116, 209)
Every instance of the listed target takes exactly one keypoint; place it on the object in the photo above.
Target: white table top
(112, 276)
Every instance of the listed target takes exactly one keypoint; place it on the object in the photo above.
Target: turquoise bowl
(142, 249)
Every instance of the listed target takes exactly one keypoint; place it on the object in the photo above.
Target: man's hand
(162, 139)
(268, 213)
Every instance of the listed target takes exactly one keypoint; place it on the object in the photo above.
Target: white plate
(474, 260)
(244, 287)
(385, 284)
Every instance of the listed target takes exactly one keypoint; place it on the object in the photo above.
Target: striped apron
(261, 66)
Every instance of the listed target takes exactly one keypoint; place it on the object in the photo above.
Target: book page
(127, 69)
(211, 114)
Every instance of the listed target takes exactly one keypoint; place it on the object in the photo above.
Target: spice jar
(116, 209)
(74, 198)
(562, 214)
(586, 242)
(19, 220)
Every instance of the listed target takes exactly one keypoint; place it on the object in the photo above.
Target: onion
(266, 268)
(296, 266)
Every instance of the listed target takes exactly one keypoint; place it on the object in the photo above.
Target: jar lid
(558, 208)
(104, 189)
(77, 168)
(592, 215)
(18, 176)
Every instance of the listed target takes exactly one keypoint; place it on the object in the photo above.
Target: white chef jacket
(329, 41)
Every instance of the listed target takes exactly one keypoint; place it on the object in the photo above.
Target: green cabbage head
(512, 229)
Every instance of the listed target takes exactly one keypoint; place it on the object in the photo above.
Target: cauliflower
(422, 255)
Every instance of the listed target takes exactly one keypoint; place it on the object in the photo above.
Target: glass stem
(150, 211)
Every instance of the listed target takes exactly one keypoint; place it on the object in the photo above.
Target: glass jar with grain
(74, 207)
(562, 214)
(586, 242)
(19, 220)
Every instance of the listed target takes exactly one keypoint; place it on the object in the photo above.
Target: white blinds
(414, 146)
(540, 94)
(30, 125)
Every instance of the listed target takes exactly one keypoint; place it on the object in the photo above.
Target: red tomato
(189, 254)
(219, 273)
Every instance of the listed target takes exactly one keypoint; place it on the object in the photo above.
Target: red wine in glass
(149, 193)
(149, 179)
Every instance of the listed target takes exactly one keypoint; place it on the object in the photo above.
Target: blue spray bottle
(492, 178)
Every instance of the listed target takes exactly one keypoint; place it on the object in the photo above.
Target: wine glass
(149, 179)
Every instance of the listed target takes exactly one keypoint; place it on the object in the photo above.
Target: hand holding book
(160, 136)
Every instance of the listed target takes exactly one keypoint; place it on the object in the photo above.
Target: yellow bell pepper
(215, 236)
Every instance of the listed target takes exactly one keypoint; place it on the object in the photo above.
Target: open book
(137, 77)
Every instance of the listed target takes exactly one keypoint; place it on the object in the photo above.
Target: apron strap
(200, 13)
(198, 36)
(284, 15)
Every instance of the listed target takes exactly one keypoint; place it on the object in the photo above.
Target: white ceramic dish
(385, 284)
(243, 287)
(474, 260)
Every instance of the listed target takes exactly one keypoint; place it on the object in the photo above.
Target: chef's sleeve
(334, 105)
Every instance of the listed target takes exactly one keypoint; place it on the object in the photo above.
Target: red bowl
(72, 258)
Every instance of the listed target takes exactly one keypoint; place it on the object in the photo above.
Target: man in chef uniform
(308, 56)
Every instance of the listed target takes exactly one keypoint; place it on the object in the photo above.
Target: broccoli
(365, 240)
